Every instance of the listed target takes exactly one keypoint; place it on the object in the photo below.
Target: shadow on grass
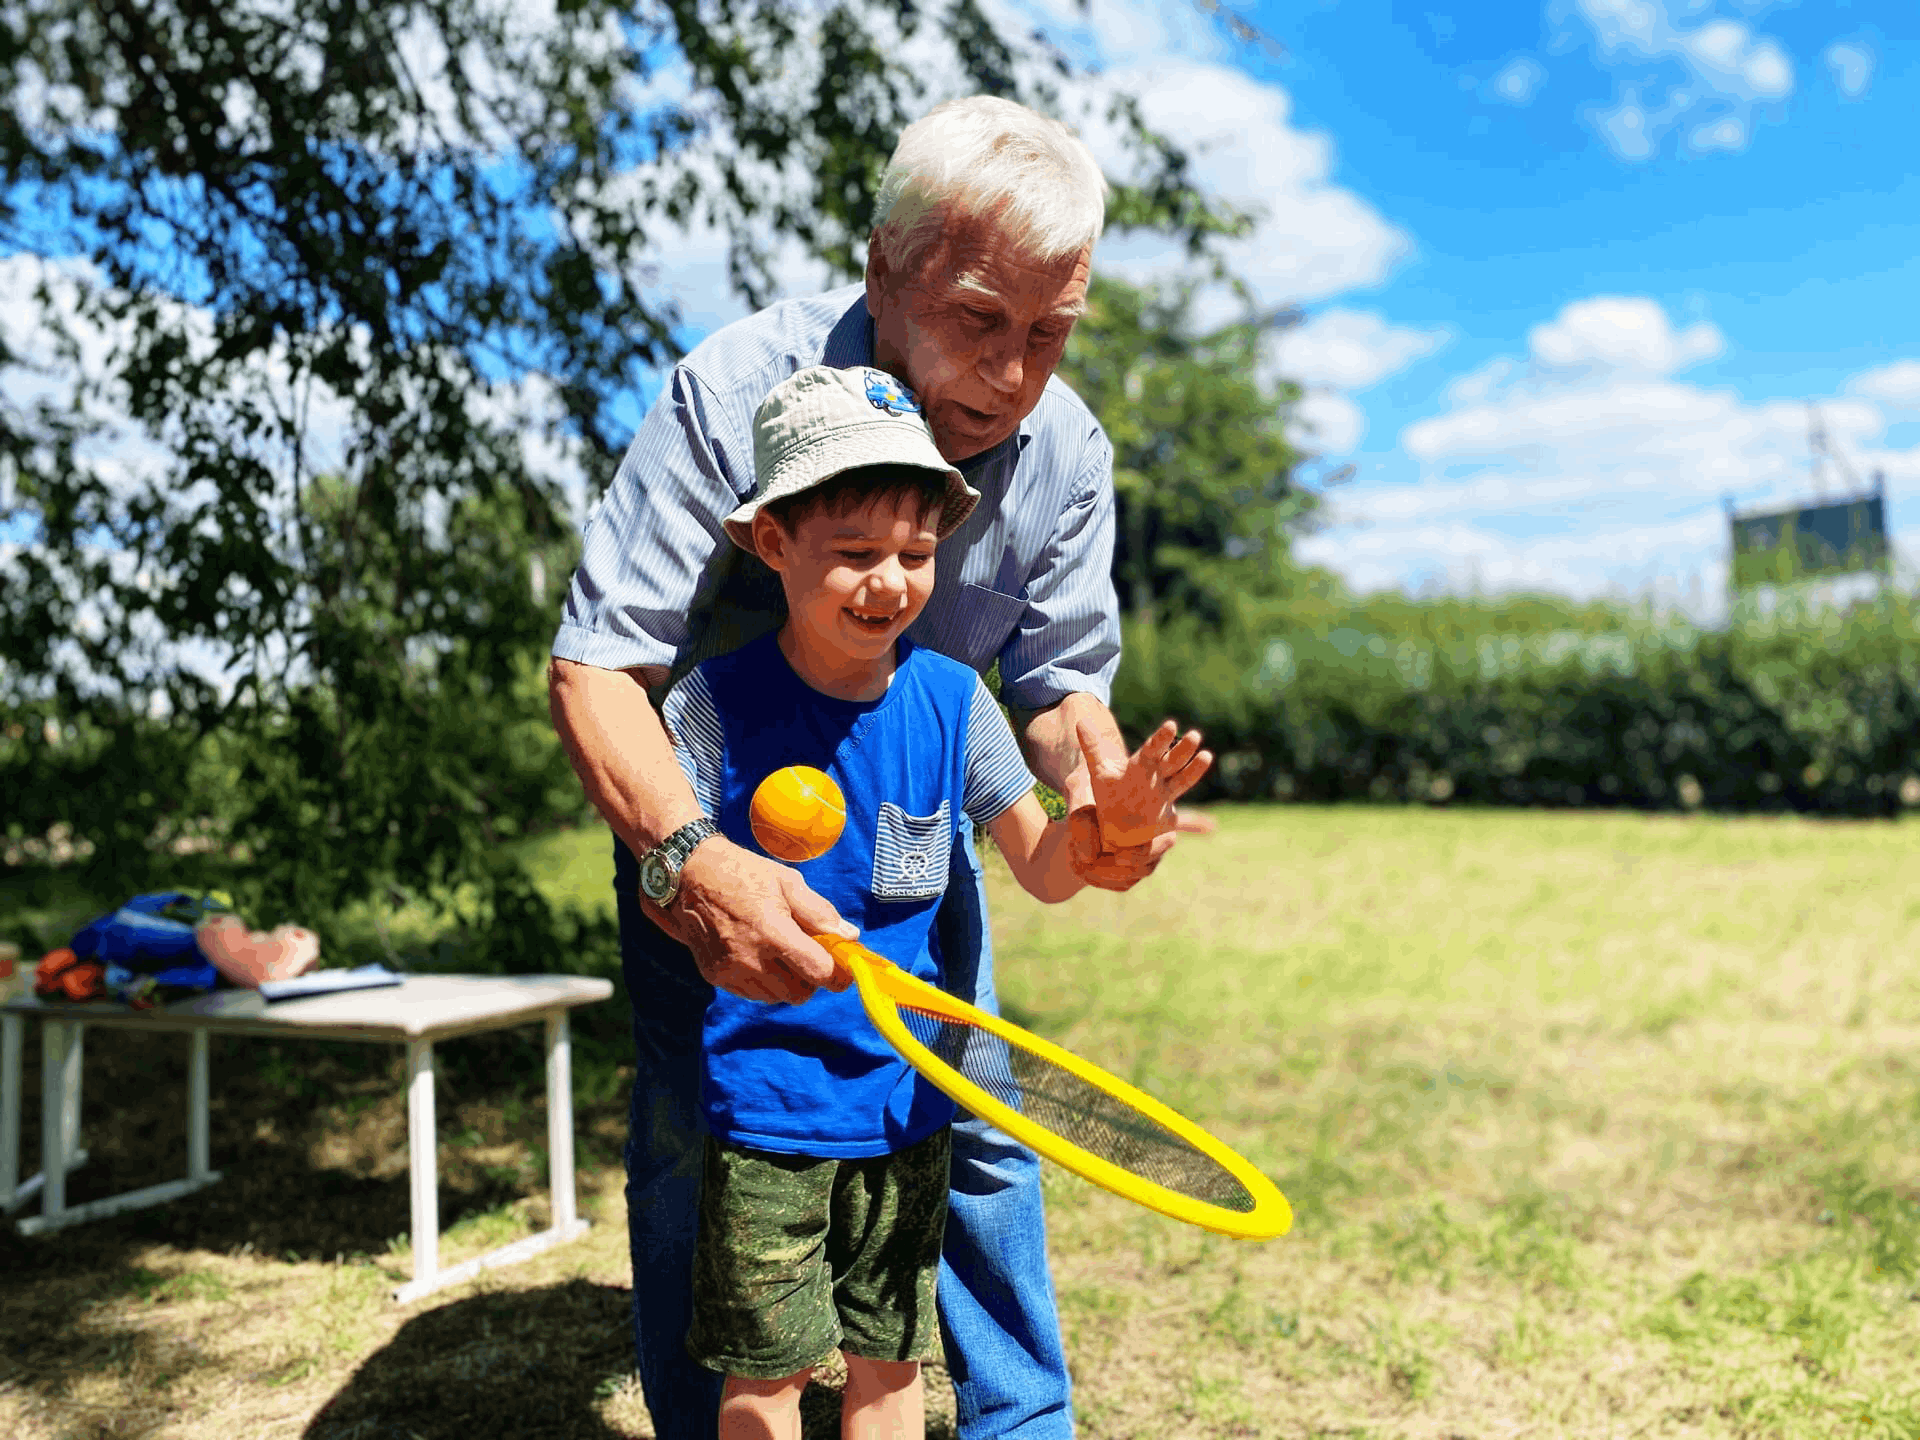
(514, 1364)
(523, 1363)
(311, 1140)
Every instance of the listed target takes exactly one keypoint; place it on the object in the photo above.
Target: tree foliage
(1203, 469)
(331, 301)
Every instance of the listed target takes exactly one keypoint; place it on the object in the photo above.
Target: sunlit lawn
(1594, 1126)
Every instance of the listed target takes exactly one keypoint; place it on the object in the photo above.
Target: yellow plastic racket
(1060, 1106)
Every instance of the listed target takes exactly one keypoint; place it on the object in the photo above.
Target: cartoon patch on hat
(888, 394)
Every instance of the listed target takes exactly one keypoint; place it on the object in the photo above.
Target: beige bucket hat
(820, 421)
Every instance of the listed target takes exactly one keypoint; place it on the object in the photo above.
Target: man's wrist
(1052, 747)
(663, 866)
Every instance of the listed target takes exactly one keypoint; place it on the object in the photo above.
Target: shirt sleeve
(656, 532)
(699, 744)
(1068, 641)
(997, 776)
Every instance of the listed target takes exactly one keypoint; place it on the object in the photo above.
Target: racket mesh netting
(1077, 1110)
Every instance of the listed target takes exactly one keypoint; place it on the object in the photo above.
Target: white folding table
(418, 1012)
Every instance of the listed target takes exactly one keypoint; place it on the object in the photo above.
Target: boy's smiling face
(854, 581)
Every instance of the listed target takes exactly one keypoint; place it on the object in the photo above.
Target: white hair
(989, 159)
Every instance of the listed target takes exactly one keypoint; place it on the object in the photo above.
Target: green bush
(1815, 713)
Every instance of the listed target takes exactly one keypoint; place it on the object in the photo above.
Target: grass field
(1594, 1126)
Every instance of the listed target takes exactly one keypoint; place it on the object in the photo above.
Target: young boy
(825, 1189)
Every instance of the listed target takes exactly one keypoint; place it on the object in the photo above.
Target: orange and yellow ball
(797, 813)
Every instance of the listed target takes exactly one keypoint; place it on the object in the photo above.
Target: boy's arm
(1039, 851)
(999, 799)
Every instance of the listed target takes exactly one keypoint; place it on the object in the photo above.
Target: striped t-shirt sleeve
(699, 744)
(997, 775)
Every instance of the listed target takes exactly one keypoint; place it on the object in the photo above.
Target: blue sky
(1599, 255)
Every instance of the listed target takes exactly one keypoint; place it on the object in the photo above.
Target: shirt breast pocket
(911, 852)
(983, 619)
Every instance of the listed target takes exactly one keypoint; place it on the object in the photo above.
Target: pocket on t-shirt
(911, 853)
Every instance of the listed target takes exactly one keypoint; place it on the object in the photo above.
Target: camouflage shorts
(799, 1257)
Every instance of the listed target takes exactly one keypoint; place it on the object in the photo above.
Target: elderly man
(976, 273)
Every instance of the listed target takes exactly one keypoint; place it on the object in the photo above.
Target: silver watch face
(658, 881)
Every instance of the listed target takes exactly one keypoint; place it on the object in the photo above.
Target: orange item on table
(46, 975)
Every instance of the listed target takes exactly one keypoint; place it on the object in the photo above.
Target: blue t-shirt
(817, 1078)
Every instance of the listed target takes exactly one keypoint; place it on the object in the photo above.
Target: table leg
(11, 1027)
(60, 1070)
(423, 1165)
(70, 1115)
(59, 1077)
(59, 1114)
(560, 1121)
(198, 1168)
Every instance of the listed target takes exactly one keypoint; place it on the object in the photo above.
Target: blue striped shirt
(1025, 581)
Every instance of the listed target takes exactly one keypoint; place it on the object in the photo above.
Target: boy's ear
(769, 540)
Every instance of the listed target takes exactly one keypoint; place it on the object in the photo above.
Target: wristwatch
(660, 866)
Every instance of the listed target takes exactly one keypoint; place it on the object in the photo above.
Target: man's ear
(877, 277)
(769, 541)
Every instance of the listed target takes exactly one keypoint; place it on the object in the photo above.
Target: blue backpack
(147, 946)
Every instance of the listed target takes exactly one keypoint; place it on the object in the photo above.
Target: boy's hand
(1133, 795)
(750, 924)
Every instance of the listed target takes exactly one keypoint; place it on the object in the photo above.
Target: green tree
(1203, 469)
(334, 298)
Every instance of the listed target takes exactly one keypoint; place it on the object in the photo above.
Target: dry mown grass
(1594, 1126)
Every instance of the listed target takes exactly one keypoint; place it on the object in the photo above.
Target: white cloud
(1729, 132)
(1518, 80)
(1120, 32)
(1739, 64)
(1726, 73)
(1312, 239)
(1349, 349)
(1896, 386)
(1335, 352)
(1325, 422)
(1587, 468)
(1621, 333)
(1851, 63)
(1626, 130)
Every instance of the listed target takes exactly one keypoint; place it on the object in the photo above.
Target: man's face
(976, 334)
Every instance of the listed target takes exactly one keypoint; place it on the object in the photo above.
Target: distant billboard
(1810, 541)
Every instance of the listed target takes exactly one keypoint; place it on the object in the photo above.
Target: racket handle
(840, 949)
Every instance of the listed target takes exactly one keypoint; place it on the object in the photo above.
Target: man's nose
(1004, 364)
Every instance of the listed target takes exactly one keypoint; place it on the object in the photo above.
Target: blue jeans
(997, 1315)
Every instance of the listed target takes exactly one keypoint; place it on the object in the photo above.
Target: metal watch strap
(679, 845)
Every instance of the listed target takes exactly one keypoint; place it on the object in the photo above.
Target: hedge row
(1822, 718)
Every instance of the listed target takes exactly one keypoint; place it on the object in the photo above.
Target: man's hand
(1123, 834)
(750, 924)
(1112, 869)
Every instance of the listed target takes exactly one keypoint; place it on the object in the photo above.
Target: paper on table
(325, 982)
